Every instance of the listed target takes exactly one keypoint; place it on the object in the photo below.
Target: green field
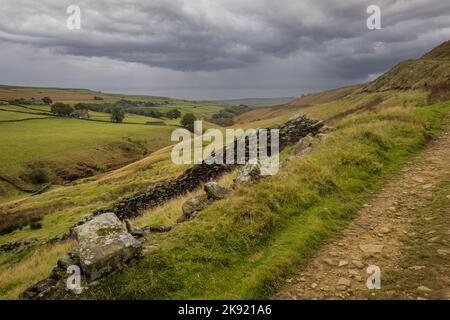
(69, 148)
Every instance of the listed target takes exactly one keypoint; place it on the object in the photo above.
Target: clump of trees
(225, 117)
(117, 115)
(146, 112)
(61, 109)
(81, 106)
(188, 121)
(47, 100)
(173, 114)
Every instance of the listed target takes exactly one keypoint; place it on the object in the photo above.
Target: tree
(117, 115)
(61, 109)
(81, 106)
(173, 114)
(47, 100)
(188, 121)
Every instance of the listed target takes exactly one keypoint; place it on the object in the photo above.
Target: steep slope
(441, 52)
(432, 70)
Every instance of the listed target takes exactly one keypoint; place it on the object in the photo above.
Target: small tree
(47, 100)
(117, 115)
(188, 121)
(173, 114)
(61, 109)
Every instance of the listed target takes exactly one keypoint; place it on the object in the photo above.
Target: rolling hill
(70, 148)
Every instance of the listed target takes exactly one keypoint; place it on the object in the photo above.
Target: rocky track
(377, 237)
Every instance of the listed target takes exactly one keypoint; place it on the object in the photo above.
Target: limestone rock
(104, 247)
(371, 248)
(134, 231)
(249, 172)
(193, 206)
(358, 264)
(216, 192)
(423, 289)
(302, 147)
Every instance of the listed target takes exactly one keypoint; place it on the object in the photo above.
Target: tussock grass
(35, 267)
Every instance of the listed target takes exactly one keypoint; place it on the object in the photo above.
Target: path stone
(423, 289)
(371, 248)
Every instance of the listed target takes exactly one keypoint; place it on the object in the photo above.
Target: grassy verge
(243, 246)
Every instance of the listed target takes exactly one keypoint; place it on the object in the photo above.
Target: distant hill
(257, 102)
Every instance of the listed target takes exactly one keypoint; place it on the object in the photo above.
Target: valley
(245, 246)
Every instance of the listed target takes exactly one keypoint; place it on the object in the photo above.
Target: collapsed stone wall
(290, 132)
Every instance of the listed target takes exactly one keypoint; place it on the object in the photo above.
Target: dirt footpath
(396, 230)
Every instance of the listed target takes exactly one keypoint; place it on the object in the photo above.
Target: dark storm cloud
(290, 41)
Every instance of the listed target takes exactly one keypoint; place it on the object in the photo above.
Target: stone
(302, 147)
(448, 197)
(427, 186)
(344, 282)
(326, 128)
(104, 247)
(134, 231)
(158, 229)
(330, 262)
(192, 206)
(418, 179)
(358, 264)
(249, 172)
(39, 291)
(313, 285)
(18, 245)
(385, 230)
(371, 248)
(343, 263)
(215, 191)
(423, 289)
(416, 268)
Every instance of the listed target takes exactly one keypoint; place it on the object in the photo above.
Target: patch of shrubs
(38, 176)
(225, 117)
(35, 224)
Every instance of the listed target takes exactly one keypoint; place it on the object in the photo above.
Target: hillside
(257, 102)
(248, 244)
(432, 70)
(62, 150)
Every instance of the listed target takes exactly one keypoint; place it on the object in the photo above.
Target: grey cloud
(199, 35)
(289, 43)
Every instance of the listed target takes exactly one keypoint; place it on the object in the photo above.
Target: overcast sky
(212, 49)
